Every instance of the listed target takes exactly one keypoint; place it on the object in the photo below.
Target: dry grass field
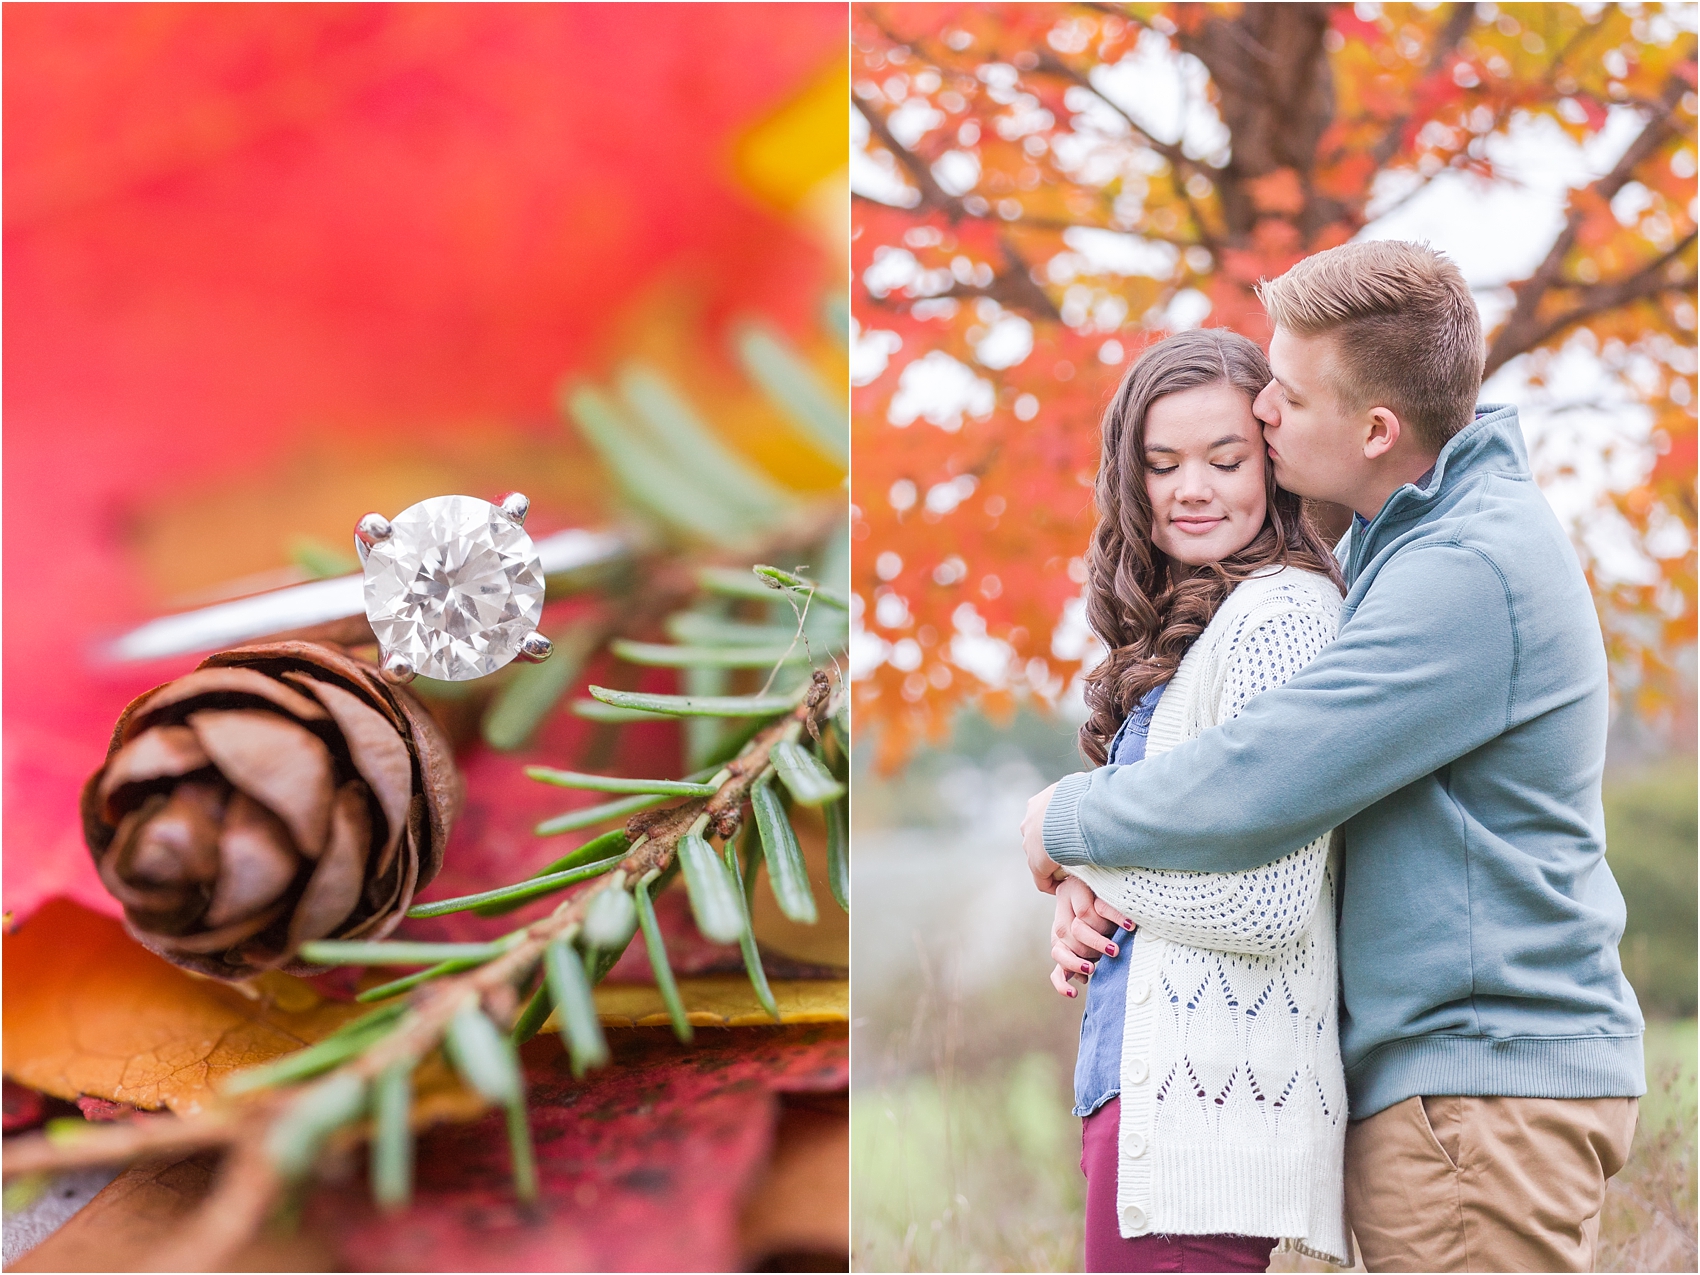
(965, 1156)
(962, 1172)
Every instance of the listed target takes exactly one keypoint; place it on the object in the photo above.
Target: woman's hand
(1047, 872)
(1063, 981)
(1080, 934)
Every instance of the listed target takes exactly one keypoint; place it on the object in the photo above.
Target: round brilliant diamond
(455, 588)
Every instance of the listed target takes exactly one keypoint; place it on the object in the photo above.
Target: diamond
(455, 588)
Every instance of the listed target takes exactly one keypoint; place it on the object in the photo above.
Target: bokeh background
(270, 266)
(1039, 191)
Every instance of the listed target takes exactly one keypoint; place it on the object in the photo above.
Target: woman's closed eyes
(1224, 466)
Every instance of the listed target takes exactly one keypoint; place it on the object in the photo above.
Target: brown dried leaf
(827, 942)
(723, 1000)
(145, 1208)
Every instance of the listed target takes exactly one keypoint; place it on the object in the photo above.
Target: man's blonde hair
(1405, 328)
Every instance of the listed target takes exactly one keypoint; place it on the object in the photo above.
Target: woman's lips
(1197, 526)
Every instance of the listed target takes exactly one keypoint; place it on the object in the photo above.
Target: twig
(1526, 327)
(1013, 286)
(246, 1190)
(1457, 26)
(148, 1136)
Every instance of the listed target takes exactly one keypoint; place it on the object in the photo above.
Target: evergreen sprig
(470, 991)
(285, 1113)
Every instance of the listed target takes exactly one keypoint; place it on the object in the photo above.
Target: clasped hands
(1081, 928)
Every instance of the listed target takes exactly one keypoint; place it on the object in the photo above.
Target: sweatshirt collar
(1492, 443)
(1421, 484)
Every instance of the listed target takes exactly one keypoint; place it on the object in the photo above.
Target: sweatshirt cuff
(1064, 841)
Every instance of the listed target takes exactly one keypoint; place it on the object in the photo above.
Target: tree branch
(1451, 35)
(1526, 328)
(248, 1183)
(243, 1195)
(1650, 281)
(1180, 163)
(932, 194)
(1050, 64)
(126, 1140)
(1012, 286)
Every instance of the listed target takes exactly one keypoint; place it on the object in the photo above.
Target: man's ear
(1383, 432)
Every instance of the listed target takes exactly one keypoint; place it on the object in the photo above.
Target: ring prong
(516, 504)
(370, 530)
(397, 671)
(534, 648)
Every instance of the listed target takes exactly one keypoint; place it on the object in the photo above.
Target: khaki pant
(1484, 1184)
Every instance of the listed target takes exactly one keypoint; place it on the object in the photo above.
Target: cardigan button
(1135, 1218)
(1137, 1071)
(1136, 1145)
(1138, 991)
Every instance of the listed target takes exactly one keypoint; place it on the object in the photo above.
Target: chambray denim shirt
(1098, 1065)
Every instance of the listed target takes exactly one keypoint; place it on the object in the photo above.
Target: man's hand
(1046, 870)
(1080, 934)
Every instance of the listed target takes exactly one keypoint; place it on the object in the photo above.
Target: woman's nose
(1194, 485)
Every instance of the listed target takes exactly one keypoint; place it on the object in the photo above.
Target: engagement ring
(451, 588)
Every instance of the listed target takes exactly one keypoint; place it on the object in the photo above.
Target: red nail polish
(1111, 950)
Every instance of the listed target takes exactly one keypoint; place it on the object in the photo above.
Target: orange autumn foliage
(90, 1011)
(1005, 141)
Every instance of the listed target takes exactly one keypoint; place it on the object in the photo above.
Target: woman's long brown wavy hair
(1144, 612)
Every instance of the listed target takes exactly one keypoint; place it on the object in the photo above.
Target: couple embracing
(1337, 887)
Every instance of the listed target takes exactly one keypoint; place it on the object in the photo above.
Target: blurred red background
(269, 265)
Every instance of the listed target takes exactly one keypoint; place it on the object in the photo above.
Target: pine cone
(277, 794)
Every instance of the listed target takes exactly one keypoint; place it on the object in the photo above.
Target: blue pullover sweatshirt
(1455, 733)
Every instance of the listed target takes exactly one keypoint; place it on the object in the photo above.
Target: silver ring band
(325, 610)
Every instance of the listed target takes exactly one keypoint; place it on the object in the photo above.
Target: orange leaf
(722, 1000)
(87, 1010)
(1349, 179)
(1278, 244)
(1599, 223)
(1277, 192)
(995, 560)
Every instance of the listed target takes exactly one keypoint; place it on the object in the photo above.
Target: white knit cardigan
(1233, 1099)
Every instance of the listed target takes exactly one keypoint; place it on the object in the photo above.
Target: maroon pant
(1106, 1250)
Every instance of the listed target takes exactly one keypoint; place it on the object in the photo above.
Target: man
(1455, 733)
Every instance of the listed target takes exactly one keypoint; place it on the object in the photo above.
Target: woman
(1209, 1072)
